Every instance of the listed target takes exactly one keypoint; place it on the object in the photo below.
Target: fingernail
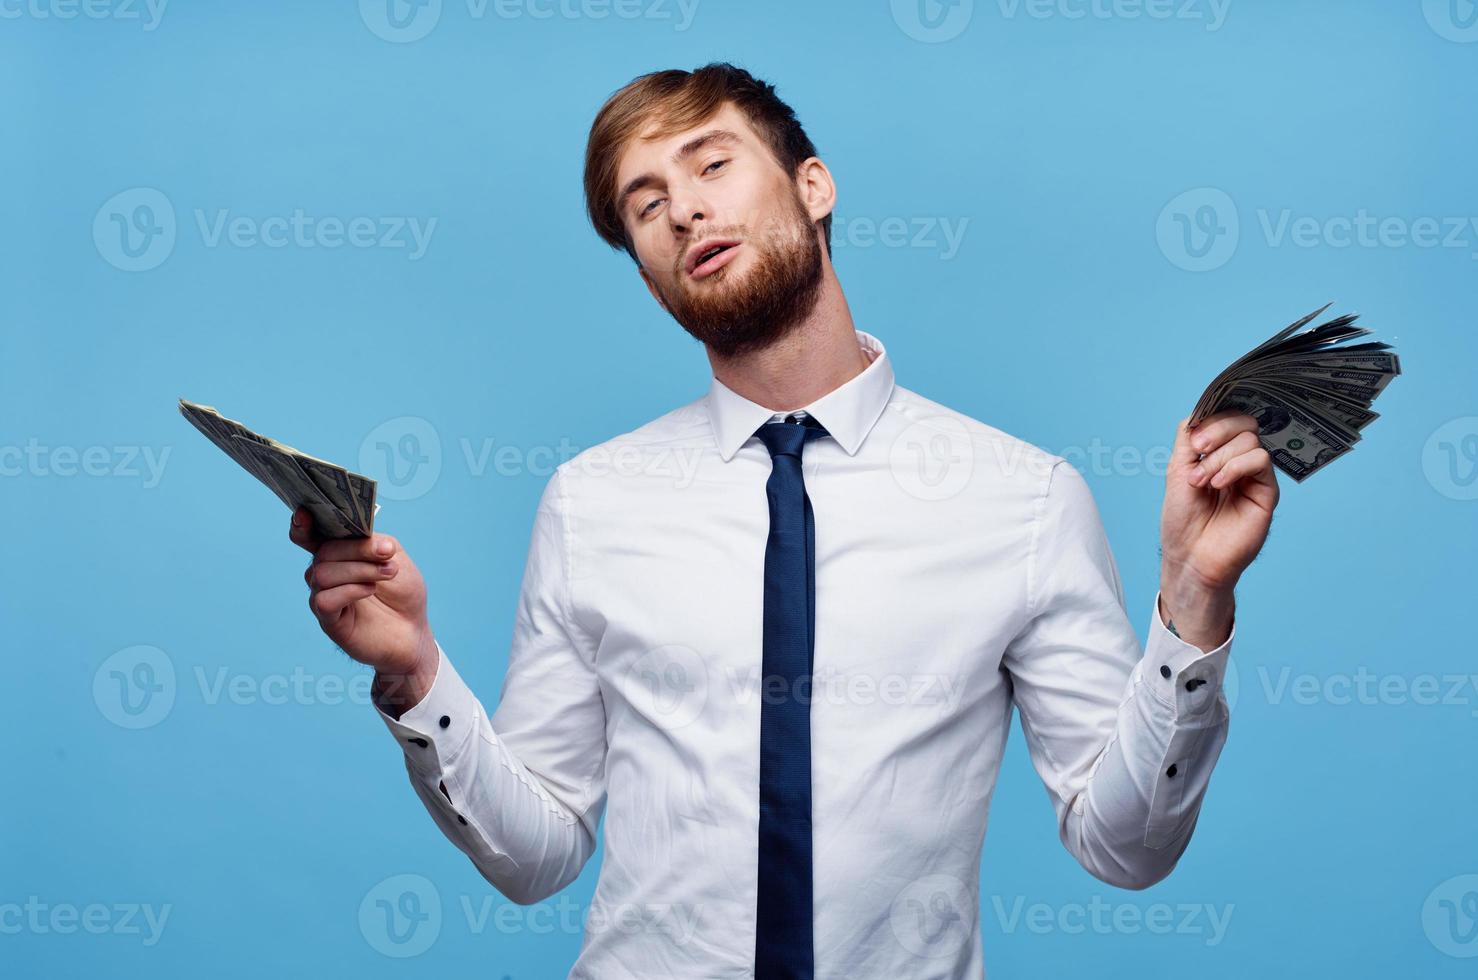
(387, 569)
(382, 547)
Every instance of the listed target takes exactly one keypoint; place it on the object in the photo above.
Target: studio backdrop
(359, 228)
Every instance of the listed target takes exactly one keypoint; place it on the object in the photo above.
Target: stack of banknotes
(1310, 396)
(342, 503)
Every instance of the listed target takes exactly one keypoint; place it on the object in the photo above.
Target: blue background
(1332, 832)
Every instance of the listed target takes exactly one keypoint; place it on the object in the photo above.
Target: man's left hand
(1220, 492)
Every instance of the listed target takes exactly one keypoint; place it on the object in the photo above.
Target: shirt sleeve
(520, 794)
(1124, 739)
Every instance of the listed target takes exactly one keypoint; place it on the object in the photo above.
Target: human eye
(647, 209)
(716, 163)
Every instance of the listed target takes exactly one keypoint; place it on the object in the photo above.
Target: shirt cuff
(1180, 674)
(434, 731)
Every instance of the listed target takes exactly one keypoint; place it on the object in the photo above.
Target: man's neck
(818, 356)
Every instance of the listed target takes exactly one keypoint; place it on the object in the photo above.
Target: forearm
(521, 837)
(1198, 612)
(1133, 819)
(397, 693)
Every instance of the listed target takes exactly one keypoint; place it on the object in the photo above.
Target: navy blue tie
(783, 948)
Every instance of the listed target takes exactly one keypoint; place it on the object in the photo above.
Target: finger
(301, 532)
(1225, 413)
(1254, 463)
(1261, 485)
(1220, 429)
(375, 548)
(329, 604)
(1213, 464)
(329, 574)
(1182, 451)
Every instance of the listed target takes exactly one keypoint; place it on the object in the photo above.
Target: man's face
(717, 185)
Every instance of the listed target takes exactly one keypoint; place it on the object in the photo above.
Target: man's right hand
(370, 599)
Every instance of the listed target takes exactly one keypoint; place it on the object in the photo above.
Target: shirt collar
(848, 411)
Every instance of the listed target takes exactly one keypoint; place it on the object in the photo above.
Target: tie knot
(789, 438)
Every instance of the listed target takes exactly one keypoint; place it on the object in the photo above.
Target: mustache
(736, 232)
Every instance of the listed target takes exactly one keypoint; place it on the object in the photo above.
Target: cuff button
(1171, 771)
(446, 721)
(419, 741)
(1194, 683)
(1164, 670)
(461, 820)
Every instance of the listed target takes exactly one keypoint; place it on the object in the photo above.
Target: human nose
(687, 208)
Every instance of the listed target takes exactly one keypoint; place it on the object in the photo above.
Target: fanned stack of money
(342, 503)
(1310, 397)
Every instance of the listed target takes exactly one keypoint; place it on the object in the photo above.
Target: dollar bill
(1309, 390)
(342, 504)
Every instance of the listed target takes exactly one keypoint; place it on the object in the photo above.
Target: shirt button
(445, 721)
(1194, 683)
(419, 741)
(1171, 771)
(1164, 670)
(461, 820)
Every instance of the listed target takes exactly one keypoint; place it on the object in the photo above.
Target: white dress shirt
(959, 571)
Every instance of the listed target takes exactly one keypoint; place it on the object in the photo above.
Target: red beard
(756, 309)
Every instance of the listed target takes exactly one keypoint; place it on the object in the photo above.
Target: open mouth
(710, 257)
